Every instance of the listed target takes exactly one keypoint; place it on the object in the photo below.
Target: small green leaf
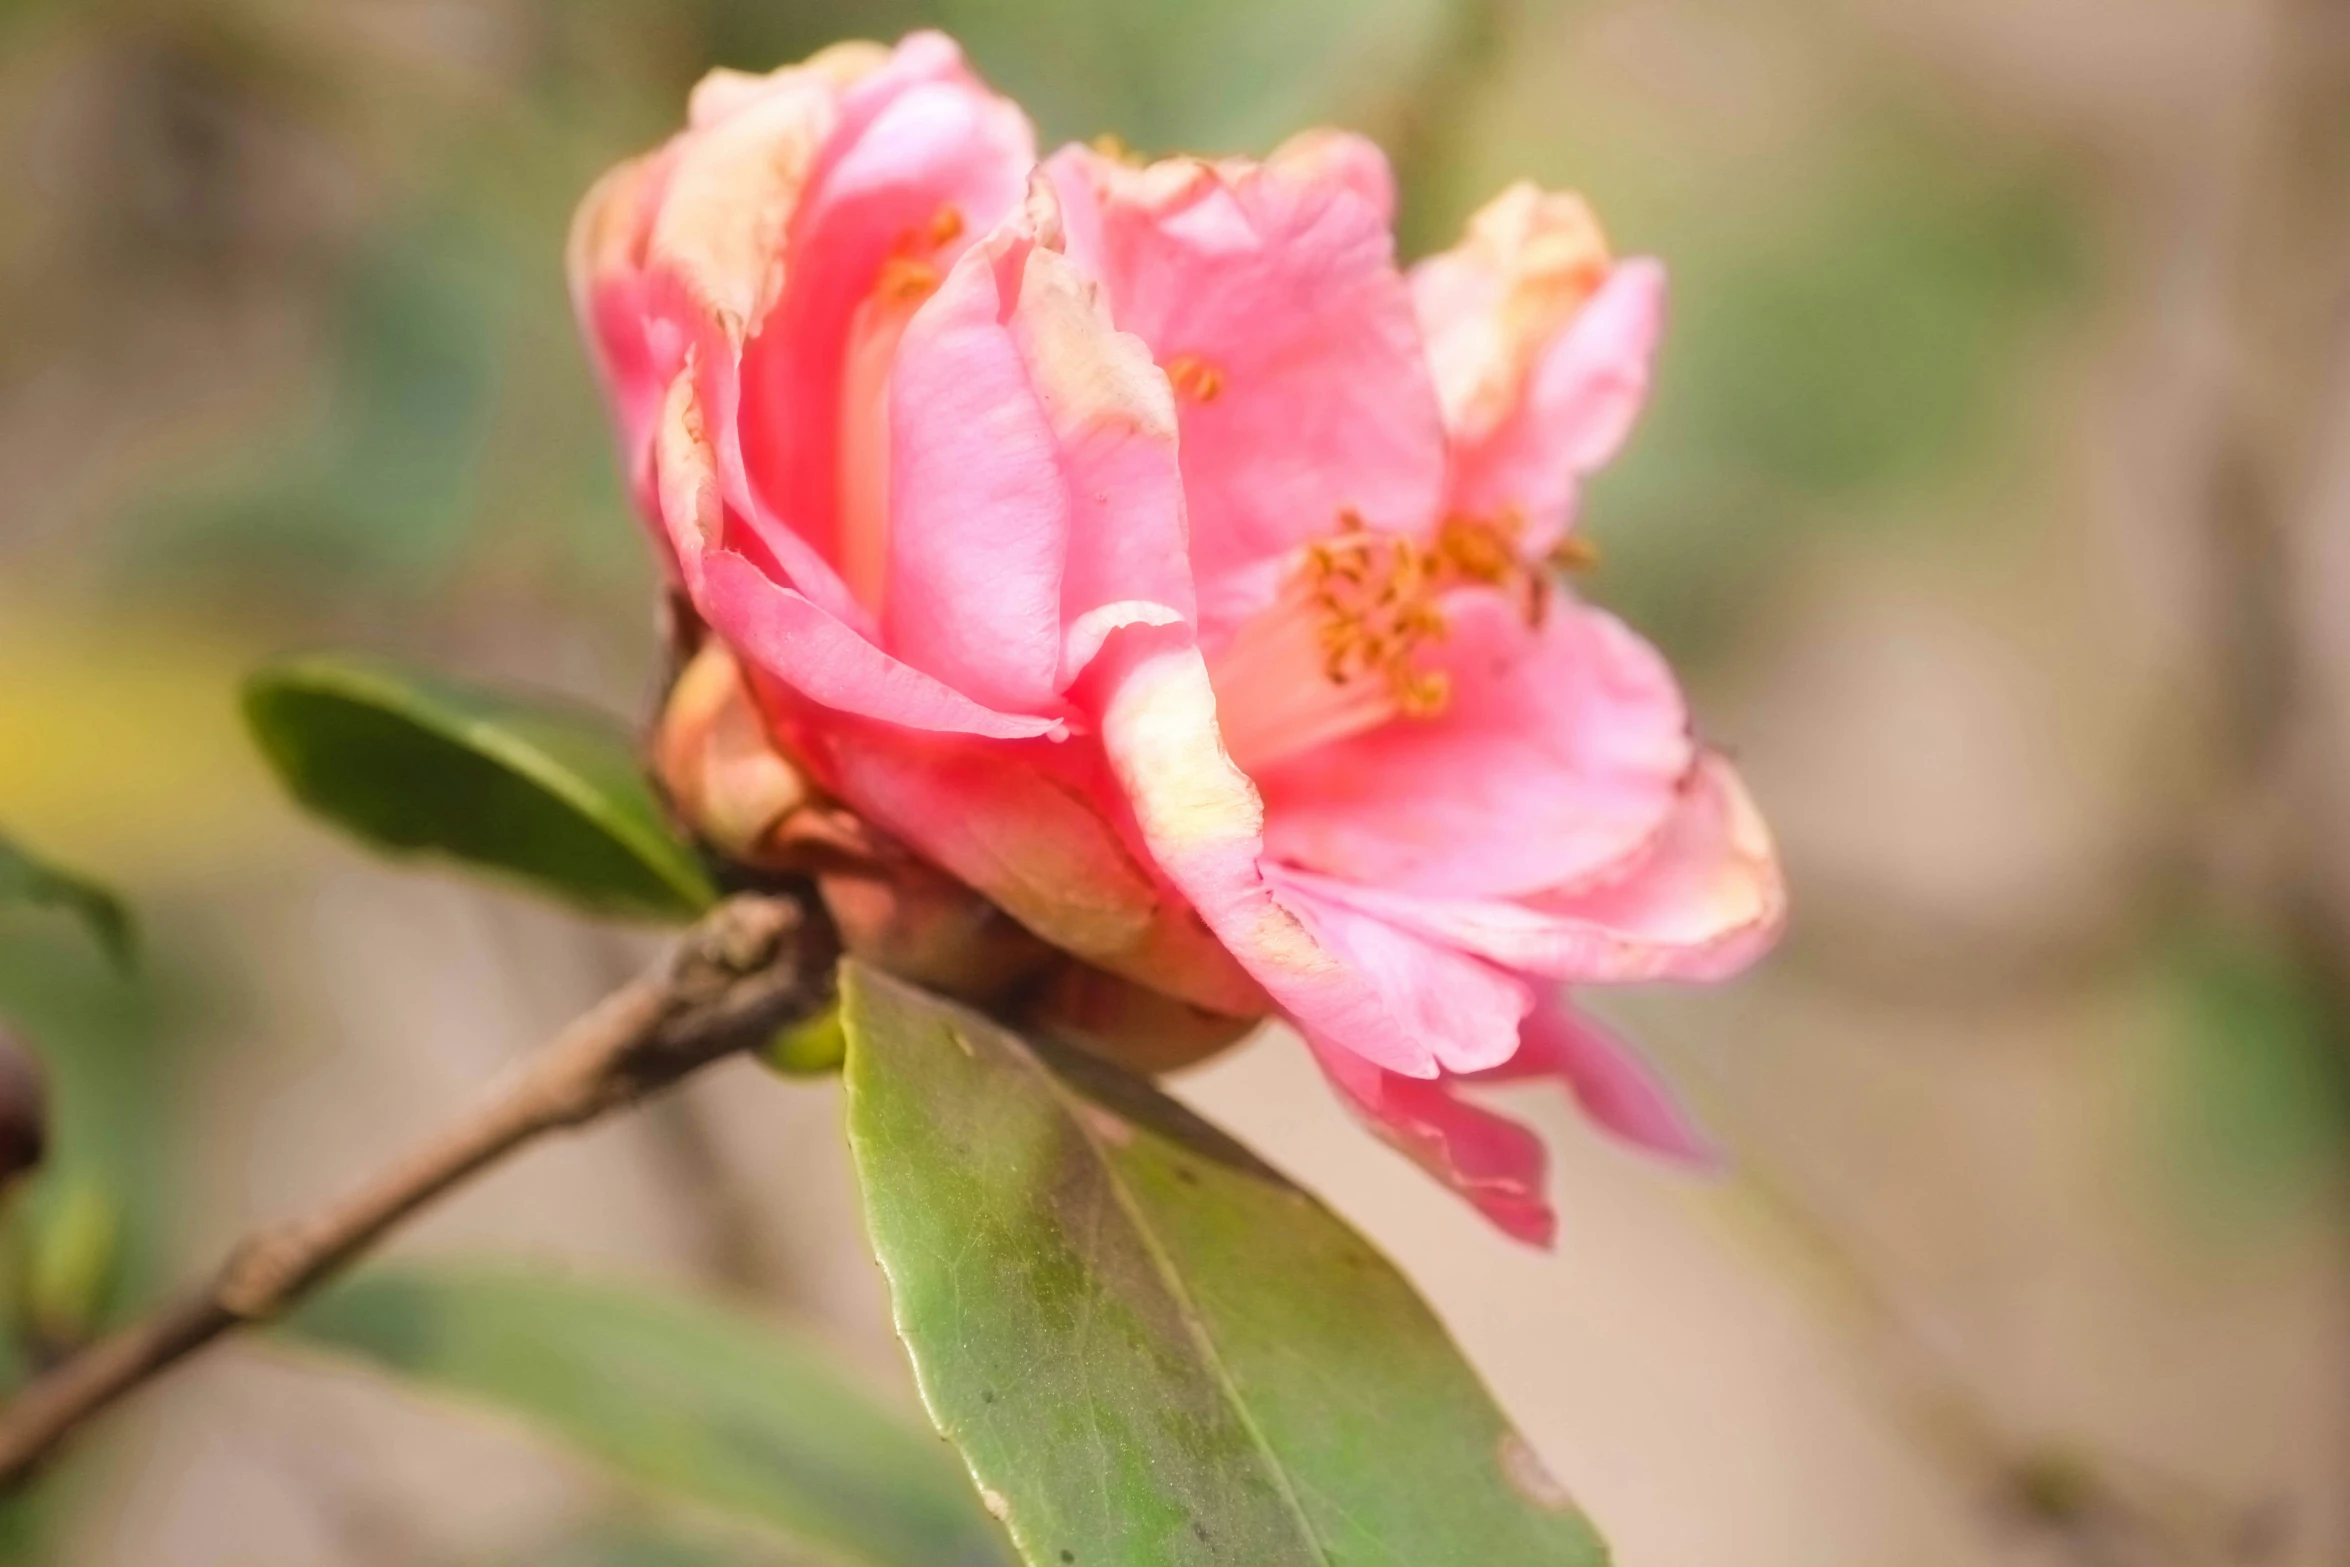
(683, 1398)
(1152, 1350)
(25, 878)
(412, 762)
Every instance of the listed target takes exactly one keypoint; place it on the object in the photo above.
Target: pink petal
(1616, 1088)
(1704, 900)
(1584, 395)
(978, 502)
(1032, 828)
(913, 144)
(1494, 1162)
(1270, 292)
(723, 92)
(1342, 158)
(635, 358)
(698, 498)
(1540, 346)
(1035, 496)
(1465, 1010)
(1556, 758)
(1707, 900)
(784, 634)
(1201, 819)
(1492, 303)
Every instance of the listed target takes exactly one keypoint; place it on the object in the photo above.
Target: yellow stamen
(1113, 147)
(907, 276)
(1195, 378)
(1356, 611)
(902, 278)
(1377, 597)
(1574, 553)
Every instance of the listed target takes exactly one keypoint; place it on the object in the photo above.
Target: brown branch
(753, 966)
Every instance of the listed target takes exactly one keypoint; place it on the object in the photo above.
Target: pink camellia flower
(1143, 548)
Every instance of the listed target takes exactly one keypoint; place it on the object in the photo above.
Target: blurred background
(1995, 498)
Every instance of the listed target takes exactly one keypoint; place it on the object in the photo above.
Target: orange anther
(1195, 378)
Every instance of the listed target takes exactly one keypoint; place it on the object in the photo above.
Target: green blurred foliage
(2253, 1114)
(82, 1236)
(682, 1398)
(29, 882)
(86, 1230)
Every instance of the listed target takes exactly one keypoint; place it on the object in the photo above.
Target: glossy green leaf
(1151, 1348)
(27, 879)
(686, 1399)
(545, 791)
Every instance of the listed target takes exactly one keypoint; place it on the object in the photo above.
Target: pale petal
(1491, 304)
(1541, 348)
(1203, 823)
(636, 357)
(1586, 392)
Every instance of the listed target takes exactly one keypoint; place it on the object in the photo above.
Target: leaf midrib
(1194, 1321)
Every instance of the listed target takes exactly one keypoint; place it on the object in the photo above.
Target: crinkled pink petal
(1619, 1091)
(722, 92)
(1703, 901)
(784, 634)
(636, 356)
(696, 256)
(1580, 403)
(1494, 1162)
(693, 500)
(1464, 1009)
(1707, 900)
(1035, 496)
(913, 145)
(1488, 307)
(978, 500)
(1556, 757)
(1269, 292)
(1201, 820)
(1342, 158)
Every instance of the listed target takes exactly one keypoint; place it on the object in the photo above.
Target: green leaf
(25, 878)
(683, 1398)
(1150, 1347)
(548, 792)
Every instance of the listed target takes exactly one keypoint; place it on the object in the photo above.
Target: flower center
(1338, 650)
(909, 274)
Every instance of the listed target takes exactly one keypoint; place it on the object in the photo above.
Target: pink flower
(1412, 783)
(901, 464)
(1145, 549)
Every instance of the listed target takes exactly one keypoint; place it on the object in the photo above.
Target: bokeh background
(1996, 498)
